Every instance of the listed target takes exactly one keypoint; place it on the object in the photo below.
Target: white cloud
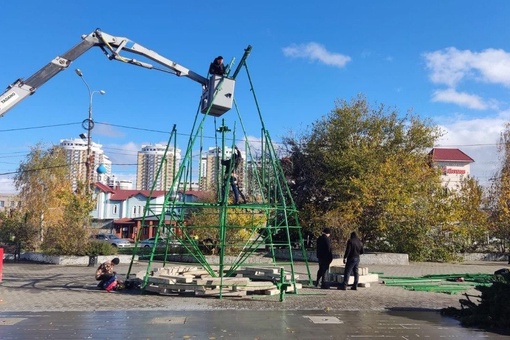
(103, 129)
(460, 98)
(450, 66)
(123, 154)
(447, 66)
(366, 54)
(477, 138)
(316, 52)
(7, 185)
(494, 66)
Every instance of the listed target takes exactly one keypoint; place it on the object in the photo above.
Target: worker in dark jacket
(351, 259)
(217, 67)
(325, 257)
(235, 160)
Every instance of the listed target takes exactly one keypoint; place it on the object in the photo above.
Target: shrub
(95, 248)
(65, 239)
(493, 311)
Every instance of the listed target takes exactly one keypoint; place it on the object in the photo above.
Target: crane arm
(21, 89)
(112, 46)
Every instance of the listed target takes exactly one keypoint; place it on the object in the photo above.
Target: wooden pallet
(186, 280)
(265, 273)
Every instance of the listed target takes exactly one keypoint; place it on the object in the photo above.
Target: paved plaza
(52, 301)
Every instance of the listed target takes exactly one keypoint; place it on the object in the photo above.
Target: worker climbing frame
(243, 216)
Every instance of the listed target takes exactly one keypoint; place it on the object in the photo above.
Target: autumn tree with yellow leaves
(240, 225)
(368, 169)
(498, 201)
(49, 204)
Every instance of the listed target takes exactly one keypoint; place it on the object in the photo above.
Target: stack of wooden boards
(189, 279)
(336, 273)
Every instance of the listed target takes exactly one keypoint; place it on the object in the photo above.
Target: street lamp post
(88, 124)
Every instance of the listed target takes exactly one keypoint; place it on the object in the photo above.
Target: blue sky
(444, 60)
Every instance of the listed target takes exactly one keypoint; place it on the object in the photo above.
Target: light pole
(88, 124)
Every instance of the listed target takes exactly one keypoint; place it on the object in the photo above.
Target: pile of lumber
(365, 278)
(197, 281)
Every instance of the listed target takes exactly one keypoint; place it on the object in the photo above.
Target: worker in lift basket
(217, 67)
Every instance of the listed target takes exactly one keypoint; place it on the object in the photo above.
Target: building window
(114, 209)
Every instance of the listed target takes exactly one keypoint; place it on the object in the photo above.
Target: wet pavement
(222, 324)
(39, 301)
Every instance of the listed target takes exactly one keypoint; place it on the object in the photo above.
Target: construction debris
(197, 281)
(365, 278)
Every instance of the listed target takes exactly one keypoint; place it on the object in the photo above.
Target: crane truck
(217, 91)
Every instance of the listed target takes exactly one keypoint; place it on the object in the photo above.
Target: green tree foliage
(470, 232)
(239, 227)
(394, 205)
(97, 247)
(366, 169)
(15, 230)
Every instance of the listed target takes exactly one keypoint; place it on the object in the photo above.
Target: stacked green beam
(440, 283)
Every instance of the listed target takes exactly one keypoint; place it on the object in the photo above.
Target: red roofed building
(454, 164)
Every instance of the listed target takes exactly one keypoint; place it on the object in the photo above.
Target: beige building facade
(9, 201)
(148, 163)
(211, 170)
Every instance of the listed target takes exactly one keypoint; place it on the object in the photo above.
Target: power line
(187, 135)
(38, 127)
(150, 130)
(35, 169)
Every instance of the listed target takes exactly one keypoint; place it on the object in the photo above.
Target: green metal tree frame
(269, 220)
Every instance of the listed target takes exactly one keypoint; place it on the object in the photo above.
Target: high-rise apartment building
(149, 160)
(208, 169)
(76, 153)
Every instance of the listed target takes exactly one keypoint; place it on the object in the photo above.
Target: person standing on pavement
(325, 257)
(353, 251)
